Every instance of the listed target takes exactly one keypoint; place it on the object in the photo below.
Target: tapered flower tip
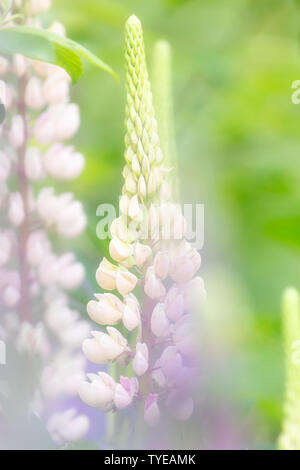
(133, 21)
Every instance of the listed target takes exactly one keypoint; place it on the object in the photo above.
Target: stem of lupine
(25, 304)
(290, 435)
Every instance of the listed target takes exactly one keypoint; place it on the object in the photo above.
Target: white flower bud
(16, 209)
(73, 336)
(62, 163)
(16, 132)
(159, 322)
(183, 336)
(142, 188)
(39, 6)
(104, 347)
(99, 392)
(58, 28)
(19, 64)
(154, 288)
(33, 164)
(130, 184)
(124, 204)
(174, 304)
(125, 282)
(141, 253)
(119, 250)
(134, 209)
(195, 291)
(161, 264)
(140, 360)
(71, 219)
(32, 340)
(56, 89)
(131, 313)
(182, 270)
(33, 95)
(38, 247)
(107, 310)
(47, 205)
(67, 120)
(67, 427)
(11, 296)
(44, 129)
(106, 275)
(63, 211)
(151, 410)
(71, 276)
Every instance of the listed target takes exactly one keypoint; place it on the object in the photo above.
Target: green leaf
(48, 47)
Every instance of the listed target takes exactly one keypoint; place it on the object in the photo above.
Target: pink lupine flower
(161, 264)
(153, 267)
(154, 288)
(104, 347)
(131, 312)
(34, 98)
(151, 411)
(174, 304)
(159, 322)
(181, 406)
(33, 164)
(125, 392)
(16, 209)
(106, 275)
(62, 162)
(140, 361)
(67, 426)
(99, 392)
(16, 133)
(125, 282)
(107, 310)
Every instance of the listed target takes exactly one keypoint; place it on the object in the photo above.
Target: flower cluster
(153, 273)
(40, 121)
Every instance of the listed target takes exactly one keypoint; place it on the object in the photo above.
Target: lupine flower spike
(289, 438)
(150, 274)
(34, 280)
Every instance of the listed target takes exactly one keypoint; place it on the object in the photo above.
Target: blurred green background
(238, 142)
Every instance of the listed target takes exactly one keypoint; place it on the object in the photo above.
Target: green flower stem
(290, 436)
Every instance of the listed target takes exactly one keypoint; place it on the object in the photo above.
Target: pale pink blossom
(107, 310)
(151, 410)
(16, 209)
(99, 392)
(104, 347)
(140, 360)
(16, 132)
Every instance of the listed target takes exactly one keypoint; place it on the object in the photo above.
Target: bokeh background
(238, 146)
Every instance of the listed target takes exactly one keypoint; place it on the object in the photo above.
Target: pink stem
(25, 302)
